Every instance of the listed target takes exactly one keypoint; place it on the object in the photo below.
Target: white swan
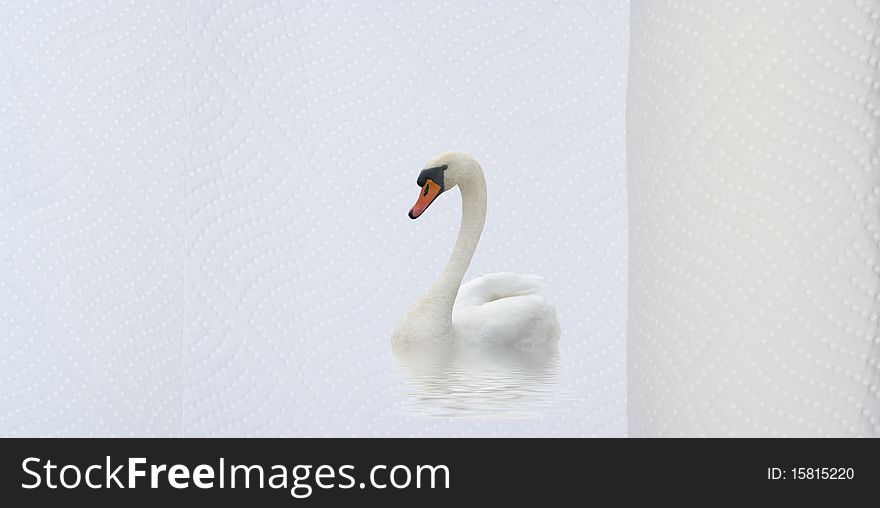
(497, 309)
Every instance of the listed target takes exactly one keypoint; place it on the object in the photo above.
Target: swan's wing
(505, 309)
(496, 286)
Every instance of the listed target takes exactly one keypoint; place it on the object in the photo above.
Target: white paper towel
(311, 123)
(203, 218)
(753, 200)
(92, 145)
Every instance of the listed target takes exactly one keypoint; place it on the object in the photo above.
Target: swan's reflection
(498, 382)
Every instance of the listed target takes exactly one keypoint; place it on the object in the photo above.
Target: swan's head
(442, 173)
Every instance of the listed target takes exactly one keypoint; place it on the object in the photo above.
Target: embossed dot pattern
(203, 207)
(753, 202)
(92, 146)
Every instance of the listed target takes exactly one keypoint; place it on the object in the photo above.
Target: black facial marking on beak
(434, 174)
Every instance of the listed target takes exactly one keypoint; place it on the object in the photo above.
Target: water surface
(486, 383)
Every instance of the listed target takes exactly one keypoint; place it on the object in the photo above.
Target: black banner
(283, 472)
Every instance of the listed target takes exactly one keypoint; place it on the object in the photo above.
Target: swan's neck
(473, 217)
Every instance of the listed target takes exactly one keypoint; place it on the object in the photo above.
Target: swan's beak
(429, 193)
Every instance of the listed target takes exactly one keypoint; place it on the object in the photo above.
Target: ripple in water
(481, 383)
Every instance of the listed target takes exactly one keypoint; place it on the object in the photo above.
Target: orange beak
(429, 193)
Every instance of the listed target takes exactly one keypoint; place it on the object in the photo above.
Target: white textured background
(93, 142)
(203, 207)
(754, 199)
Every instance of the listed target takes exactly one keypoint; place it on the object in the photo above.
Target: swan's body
(497, 309)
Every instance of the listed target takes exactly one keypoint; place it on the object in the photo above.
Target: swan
(497, 309)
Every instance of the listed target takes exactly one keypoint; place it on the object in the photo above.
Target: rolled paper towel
(752, 147)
